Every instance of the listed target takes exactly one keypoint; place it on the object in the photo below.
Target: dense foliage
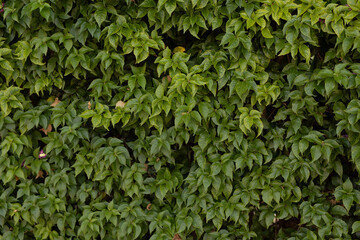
(179, 119)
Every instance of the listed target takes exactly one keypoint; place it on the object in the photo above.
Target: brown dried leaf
(148, 207)
(49, 129)
(56, 102)
(120, 104)
(168, 78)
(40, 175)
(89, 105)
(177, 237)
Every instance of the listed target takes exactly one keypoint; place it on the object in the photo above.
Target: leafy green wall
(179, 119)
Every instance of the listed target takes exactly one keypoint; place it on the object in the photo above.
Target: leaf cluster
(179, 119)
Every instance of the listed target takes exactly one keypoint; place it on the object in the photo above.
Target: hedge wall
(179, 119)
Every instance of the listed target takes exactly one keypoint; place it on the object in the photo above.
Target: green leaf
(207, 182)
(159, 93)
(194, 2)
(329, 86)
(339, 210)
(355, 156)
(348, 186)
(300, 80)
(338, 27)
(267, 196)
(45, 13)
(8, 176)
(297, 193)
(269, 218)
(266, 33)
(197, 222)
(291, 35)
(87, 114)
(19, 173)
(303, 145)
(248, 122)
(355, 227)
(160, 4)
(305, 52)
(96, 120)
(140, 55)
(68, 43)
(217, 221)
(315, 152)
(204, 140)
(170, 6)
(215, 168)
(100, 16)
(348, 201)
(204, 109)
(329, 55)
(242, 87)
(347, 44)
(6, 65)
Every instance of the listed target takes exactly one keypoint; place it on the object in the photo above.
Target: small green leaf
(204, 109)
(305, 52)
(338, 27)
(266, 33)
(19, 173)
(315, 152)
(330, 85)
(170, 6)
(87, 114)
(347, 44)
(348, 201)
(159, 93)
(100, 16)
(267, 196)
(96, 120)
(355, 156)
(291, 35)
(355, 227)
(45, 13)
(6, 65)
(303, 145)
(8, 176)
(348, 186)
